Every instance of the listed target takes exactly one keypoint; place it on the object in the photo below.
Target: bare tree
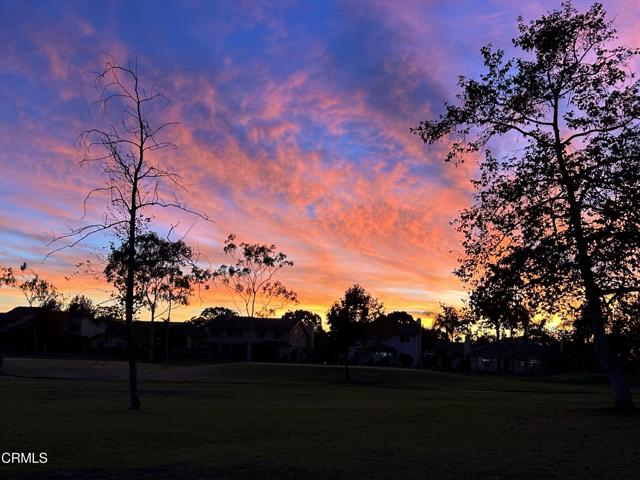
(134, 181)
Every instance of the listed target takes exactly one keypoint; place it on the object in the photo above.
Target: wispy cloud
(293, 129)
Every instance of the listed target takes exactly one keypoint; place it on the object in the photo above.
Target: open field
(279, 421)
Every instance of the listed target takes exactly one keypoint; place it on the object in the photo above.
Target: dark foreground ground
(301, 422)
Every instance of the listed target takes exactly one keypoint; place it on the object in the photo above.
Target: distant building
(272, 339)
(402, 348)
(17, 318)
(509, 355)
(33, 329)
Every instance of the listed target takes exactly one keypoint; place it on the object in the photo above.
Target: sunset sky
(293, 129)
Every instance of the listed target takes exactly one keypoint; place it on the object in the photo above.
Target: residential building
(402, 348)
(272, 339)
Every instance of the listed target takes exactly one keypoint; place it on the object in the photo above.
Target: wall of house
(512, 365)
(406, 344)
(242, 335)
(89, 328)
(299, 338)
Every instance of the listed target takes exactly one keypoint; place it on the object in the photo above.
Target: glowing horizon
(293, 129)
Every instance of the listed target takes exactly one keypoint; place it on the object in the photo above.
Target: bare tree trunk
(526, 347)
(166, 342)
(250, 341)
(134, 399)
(498, 348)
(166, 337)
(621, 393)
(152, 336)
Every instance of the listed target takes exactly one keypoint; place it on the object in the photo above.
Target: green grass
(278, 421)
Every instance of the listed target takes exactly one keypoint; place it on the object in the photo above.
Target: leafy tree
(251, 280)
(109, 313)
(307, 317)
(400, 318)
(211, 313)
(562, 209)
(501, 302)
(382, 328)
(625, 328)
(81, 305)
(497, 303)
(350, 319)
(37, 291)
(135, 182)
(452, 322)
(166, 274)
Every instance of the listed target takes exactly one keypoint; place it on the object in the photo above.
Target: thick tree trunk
(134, 399)
(621, 393)
(608, 362)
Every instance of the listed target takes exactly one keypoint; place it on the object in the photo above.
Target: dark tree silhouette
(307, 317)
(350, 320)
(166, 273)
(82, 306)
(134, 180)
(566, 201)
(453, 322)
(211, 313)
(251, 280)
(37, 291)
(400, 318)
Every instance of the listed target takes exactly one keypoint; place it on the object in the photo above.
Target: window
(485, 363)
(234, 333)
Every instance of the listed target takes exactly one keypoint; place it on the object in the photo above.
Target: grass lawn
(279, 421)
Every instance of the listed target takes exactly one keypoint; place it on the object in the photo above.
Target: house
(402, 348)
(271, 339)
(109, 343)
(86, 327)
(33, 329)
(445, 355)
(511, 355)
(16, 318)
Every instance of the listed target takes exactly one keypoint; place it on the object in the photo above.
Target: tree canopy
(560, 212)
(350, 319)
